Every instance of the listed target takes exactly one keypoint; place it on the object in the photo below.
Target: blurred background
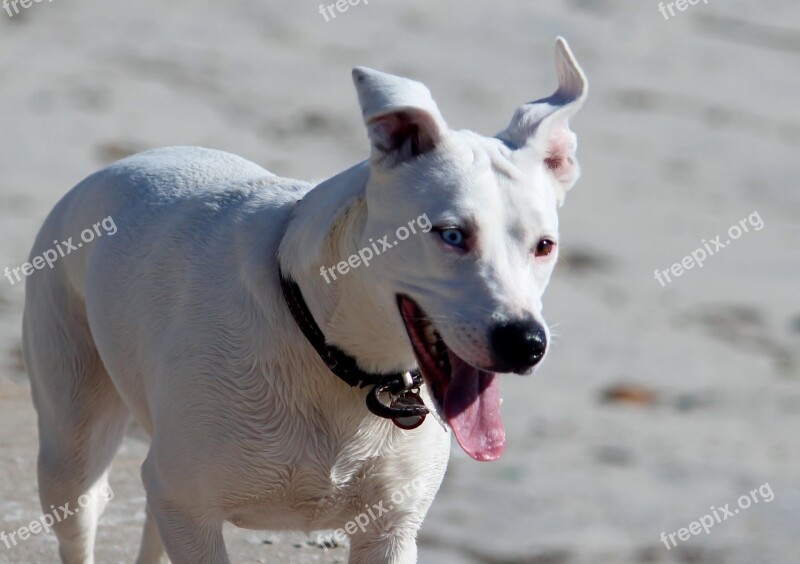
(655, 403)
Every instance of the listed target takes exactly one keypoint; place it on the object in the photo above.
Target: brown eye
(544, 247)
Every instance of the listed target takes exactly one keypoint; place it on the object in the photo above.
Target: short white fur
(178, 322)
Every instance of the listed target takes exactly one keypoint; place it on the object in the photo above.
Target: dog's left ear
(543, 126)
(402, 119)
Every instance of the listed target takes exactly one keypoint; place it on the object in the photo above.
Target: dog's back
(164, 205)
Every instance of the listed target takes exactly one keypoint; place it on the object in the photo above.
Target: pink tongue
(472, 408)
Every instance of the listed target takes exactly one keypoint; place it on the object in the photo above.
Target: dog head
(473, 236)
(458, 236)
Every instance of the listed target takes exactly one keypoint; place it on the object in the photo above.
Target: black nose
(518, 345)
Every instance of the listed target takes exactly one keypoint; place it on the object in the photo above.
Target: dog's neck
(353, 311)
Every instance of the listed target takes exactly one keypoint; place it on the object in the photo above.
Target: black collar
(405, 407)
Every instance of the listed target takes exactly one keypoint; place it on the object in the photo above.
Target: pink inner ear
(554, 162)
(560, 155)
(408, 133)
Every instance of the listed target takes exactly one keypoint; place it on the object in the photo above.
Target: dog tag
(405, 401)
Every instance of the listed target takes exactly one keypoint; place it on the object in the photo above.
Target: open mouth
(468, 397)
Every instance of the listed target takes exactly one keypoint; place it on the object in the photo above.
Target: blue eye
(452, 236)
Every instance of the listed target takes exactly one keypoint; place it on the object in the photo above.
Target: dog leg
(398, 546)
(73, 476)
(189, 536)
(151, 550)
(81, 417)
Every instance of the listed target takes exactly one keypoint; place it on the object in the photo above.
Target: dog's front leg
(398, 546)
(190, 535)
(188, 538)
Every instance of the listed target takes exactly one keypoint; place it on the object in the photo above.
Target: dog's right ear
(402, 119)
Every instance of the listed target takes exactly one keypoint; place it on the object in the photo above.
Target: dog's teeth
(430, 334)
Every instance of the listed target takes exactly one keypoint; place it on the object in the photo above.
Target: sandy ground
(655, 404)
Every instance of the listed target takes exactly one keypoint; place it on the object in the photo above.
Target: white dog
(274, 399)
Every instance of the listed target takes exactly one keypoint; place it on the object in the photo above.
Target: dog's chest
(314, 463)
(314, 493)
(308, 475)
